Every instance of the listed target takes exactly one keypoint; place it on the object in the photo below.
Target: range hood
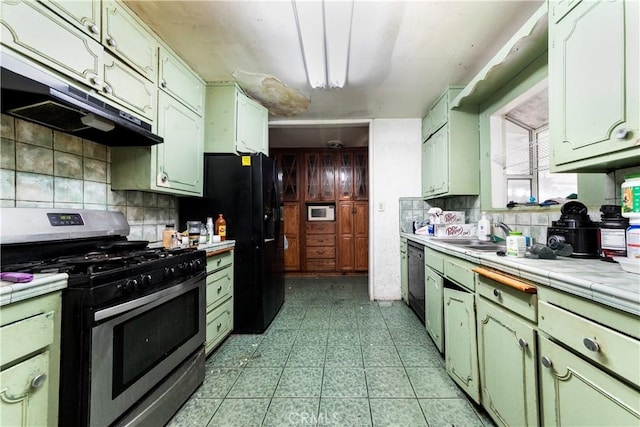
(31, 94)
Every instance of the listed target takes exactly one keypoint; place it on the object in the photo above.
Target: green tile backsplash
(40, 167)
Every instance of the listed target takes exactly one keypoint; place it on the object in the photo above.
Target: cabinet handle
(219, 288)
(107, 89)
(622, 133)
(591, 344)
(497, 293)
(522, 343)
(38, 381)
(219, 261)
(94, 28)
(164, 177)
(111, 42)
(163, 84)
(546, 362)
(96, 81)
(219, 326)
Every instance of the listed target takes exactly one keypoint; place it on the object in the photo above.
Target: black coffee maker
(576, 228)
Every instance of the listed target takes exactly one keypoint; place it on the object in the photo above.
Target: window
(520, 152)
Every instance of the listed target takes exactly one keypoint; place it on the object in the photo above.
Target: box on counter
(448, 217)
(454, 230)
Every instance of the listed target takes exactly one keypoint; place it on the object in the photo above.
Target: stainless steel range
(133, 321)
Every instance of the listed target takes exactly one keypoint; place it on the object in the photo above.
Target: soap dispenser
(484, 228)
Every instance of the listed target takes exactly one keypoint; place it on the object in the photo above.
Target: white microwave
(321, 212)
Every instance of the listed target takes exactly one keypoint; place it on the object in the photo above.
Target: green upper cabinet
(594, 85)
(125, 36)
(85, 15)
(450, 152)
(129, 88)
(174, 166)
(234, 123)
(176, 79)
(38, 33)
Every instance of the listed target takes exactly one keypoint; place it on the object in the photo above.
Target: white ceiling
(402, 55)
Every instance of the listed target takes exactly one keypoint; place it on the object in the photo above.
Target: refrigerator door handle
(269, 240)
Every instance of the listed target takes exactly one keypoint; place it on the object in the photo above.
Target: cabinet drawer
(434, 260)
(219, 325)
(524, 304)
(321, 264)
(321, 240)
(321, 227)
(321, 252)
(613, 350)
(39, 330)
(217, 262)
(460, 272)
(219, 285)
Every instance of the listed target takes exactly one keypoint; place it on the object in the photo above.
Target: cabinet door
(436, 159)
(507, 356)
(179, 159)
(404, 270)
(123, 35)
(353, 178)
(574, 392)
(320, 176)
(24, 392)
(125, 86)
(180, 82)
(353, 236)
(434, 297)
(35, 31)
(460, 341)
(252, 134)
(595, 85)
(292, 232)
(288, 163)
(85, 15)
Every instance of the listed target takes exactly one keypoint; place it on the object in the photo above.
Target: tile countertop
(41, 284)
(599, 281)
(217, 247)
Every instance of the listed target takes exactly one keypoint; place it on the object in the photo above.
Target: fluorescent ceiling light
(324, 29)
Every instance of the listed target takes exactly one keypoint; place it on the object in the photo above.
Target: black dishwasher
(415, 255)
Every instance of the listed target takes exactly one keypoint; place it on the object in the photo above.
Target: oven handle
(139, 302)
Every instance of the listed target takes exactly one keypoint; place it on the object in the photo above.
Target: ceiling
(402, 55)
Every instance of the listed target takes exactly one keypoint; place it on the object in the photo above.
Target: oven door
(137, 343)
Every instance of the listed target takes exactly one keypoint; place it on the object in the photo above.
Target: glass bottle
(221, 227)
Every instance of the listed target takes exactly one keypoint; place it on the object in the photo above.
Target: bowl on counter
(631, 265)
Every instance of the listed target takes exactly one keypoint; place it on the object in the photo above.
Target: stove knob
(146, 280)
(169, 272)
(130, 285)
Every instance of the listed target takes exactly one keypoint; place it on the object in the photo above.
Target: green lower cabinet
(576, 393)
(21, 403)
(507, 359)
(461, 356)
(219, 304)
(434, 297)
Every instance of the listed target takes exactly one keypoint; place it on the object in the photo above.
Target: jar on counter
(631, 196)
(168, 236)
(516, 244)
(633, 238)
(612, 240)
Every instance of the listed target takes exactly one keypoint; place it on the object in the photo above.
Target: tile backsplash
(40, 167)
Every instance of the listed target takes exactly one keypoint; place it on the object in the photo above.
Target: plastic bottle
(484, 228)
(221, 227)
(210, 230)
(631, 196)
(633, 238)
(612, 233)
(516, 245)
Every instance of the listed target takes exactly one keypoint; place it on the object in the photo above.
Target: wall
(395, 164)
(40, 167)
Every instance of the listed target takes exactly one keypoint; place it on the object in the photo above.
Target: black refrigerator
(246, 190)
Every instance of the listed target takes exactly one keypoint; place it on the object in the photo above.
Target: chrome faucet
(504, 227)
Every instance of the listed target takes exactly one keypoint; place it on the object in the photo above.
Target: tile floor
(331, 357)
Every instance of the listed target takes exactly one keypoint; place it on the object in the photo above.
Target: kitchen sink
(475, 244)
